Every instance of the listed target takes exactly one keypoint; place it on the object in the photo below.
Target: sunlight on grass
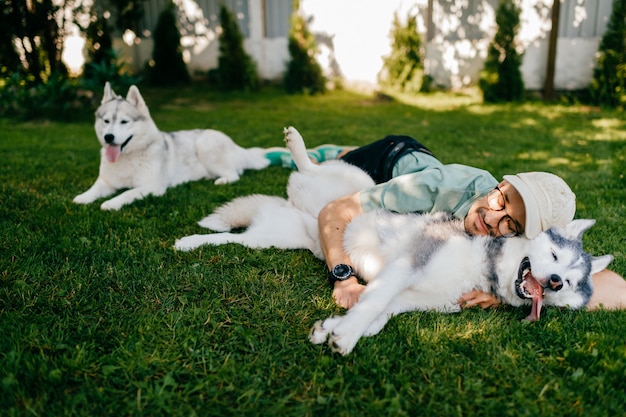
(525, 122)
(441, 101)
(613, 136)
(441, 330)
(608, 123)
(534, 156)
(559, 161)
(554, 161)
(486, 110)
(472, 329)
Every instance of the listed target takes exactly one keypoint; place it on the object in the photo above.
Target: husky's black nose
(109, 138)
(555, 282)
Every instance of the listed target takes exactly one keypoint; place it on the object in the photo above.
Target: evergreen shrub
(501, 79)
(236, 70)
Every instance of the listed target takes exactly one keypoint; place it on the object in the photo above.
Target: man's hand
(478, 298)
(346, 293)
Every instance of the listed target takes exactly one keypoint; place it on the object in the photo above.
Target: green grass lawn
(100, 316)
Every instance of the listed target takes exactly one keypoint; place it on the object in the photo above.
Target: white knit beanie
(548, 200)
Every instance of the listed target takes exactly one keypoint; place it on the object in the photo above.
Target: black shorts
(379, 158)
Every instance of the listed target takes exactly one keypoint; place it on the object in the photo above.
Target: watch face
(342, 271)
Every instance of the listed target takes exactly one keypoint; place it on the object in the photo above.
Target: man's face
(499, 213)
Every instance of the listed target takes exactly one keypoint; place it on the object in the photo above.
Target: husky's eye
(554, 256)
(124, 122)
(568, 282)
(106, 121)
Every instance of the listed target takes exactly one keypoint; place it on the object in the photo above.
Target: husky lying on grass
(136, 155)
(409, 261)
(275, 222)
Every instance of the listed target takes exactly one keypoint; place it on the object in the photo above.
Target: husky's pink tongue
(112, 152)
(535, 289)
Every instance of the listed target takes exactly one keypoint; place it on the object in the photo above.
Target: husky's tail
(256, 158)
(239, 212)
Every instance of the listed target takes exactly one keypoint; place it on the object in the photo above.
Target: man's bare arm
(609, 291)
(477, 298)
(332, 222)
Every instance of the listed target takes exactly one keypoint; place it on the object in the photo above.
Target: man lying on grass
(410, 178)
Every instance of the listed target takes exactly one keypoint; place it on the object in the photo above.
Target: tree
(128, 12)
(169, 67)
(36, 82)
(548, 89)
(608, 86)
(501, 78)
(235, 68)
(36, 29)
(99, 46)
(402, 68)
(9, 58)
(304, 73)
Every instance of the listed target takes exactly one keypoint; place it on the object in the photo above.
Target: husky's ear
(598, 263)
(134, 98)
(109, 94)
(576, 228)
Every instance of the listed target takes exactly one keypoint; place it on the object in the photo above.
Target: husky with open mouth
(409, 261)
(426, 262)
(137, 156)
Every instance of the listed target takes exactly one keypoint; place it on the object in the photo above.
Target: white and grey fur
(426, 262)
(409, 261)
(137, 156)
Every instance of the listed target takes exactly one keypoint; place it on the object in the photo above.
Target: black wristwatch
(340, 272)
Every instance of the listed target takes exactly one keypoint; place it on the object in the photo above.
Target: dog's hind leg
(279, 227)
(254, 239)
(191, 242)
(296, 145)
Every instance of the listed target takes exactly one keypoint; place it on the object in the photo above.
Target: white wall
(574, 63)
(359, 30)
(361, 38)
(201, 52)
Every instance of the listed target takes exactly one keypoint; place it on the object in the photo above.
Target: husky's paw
(342, 343)
(83, 199)
(319, 334)
(190, 242)
(226, 179)
(326, 331)
(293, 139)
(112, 204)
(214, 222)
(296, 146)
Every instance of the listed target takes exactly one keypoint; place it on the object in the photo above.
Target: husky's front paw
(112, 204)
(342, 343)
(326, 331)
(83, 198)
(319, 334)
